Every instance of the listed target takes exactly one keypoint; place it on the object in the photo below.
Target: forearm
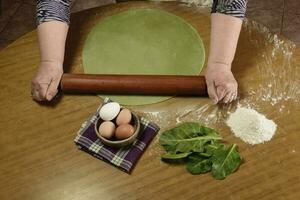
(226, 22)
(52, 38)
(225, 32)
(221, 84)
(53, 18)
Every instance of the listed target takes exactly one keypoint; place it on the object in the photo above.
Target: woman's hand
(52, 37)
(46, 81)
(221, 84)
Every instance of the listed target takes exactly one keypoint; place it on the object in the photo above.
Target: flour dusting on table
(250, 126)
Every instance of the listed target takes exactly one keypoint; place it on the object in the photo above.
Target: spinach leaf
(196, 156)
(200, 167)
(210, 148)
(205, 155)
(198, 164)
(171, 156)
(187, 137)
(201, 149)
(225, 160)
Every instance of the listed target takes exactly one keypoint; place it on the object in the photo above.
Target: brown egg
(107, 129)
(124, 117)
(124, 131)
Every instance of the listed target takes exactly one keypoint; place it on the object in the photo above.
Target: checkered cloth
(124, 158)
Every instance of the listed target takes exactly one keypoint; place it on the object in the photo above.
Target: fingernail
(215, 101)
(49, 97)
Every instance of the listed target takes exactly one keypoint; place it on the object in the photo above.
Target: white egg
(109, 111)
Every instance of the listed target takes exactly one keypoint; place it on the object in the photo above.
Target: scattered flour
(251, 126)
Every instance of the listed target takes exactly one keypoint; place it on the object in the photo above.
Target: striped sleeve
(48, 10)
(235, 8)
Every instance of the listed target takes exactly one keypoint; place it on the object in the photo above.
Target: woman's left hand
(221, 84)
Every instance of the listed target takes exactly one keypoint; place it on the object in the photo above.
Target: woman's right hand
(52, 37)
(44, 85)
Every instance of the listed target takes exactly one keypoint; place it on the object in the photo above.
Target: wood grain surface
(38, 158)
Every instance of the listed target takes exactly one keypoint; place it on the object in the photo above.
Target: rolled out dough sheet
(143, 41)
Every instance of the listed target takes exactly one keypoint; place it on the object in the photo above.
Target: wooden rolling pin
(134, 84)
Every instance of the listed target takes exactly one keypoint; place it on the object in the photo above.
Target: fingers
(221, 92)
(234, 96)
(230, 96)
(35, 95)
(221, 84)
(44, 91)
(227, 94)
(218, 94)
(212, 92)
(52, 90)
(46, 80)
(39, 90)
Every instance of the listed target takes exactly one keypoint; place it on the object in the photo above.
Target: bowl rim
(120, 142)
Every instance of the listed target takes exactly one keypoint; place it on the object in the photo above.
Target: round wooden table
(38, 158)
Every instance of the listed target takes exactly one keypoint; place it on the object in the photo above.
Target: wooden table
(38, 159)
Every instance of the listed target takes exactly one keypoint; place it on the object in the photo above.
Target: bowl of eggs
(117, 126)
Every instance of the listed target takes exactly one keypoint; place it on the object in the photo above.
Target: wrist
(55, 66)
(219, 65)
(51, 63)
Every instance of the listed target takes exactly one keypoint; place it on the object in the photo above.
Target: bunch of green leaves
(201, 149)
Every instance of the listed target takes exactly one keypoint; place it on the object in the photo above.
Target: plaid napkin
(124, 158)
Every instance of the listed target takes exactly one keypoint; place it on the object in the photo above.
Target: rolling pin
(134, 84)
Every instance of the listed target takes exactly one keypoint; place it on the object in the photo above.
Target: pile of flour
(251, 126)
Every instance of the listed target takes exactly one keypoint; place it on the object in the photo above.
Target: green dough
(143, 41)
